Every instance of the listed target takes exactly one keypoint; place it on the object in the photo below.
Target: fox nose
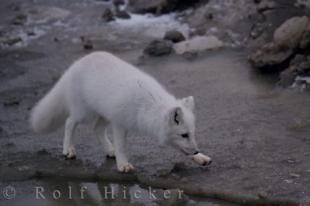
(207, 162)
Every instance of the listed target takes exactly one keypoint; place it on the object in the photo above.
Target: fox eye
(185, 135)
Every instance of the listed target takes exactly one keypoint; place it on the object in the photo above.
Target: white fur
(105, 89)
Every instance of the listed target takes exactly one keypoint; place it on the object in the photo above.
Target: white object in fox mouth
(202, 159)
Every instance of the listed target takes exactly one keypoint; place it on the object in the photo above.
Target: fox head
(180, 126)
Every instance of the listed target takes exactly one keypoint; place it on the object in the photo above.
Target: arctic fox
(105, 90)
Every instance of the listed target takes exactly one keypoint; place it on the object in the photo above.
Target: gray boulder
(287, 38)
(158, 48)
(269, 56)
(122, 14)
(289, 34)
(174, 36)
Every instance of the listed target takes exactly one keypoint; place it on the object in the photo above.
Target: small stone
(190, 55)
(291, 161)
(88, 45)
(9, 145)
(11, 102)
(107, 15)
(31, 33)
(20, 19)
(14, 7)
(122, 14)
(295, 175)
(174, 36)
(209, 16)
(158, 48)
(23, 168)
(288, 181)
(56, 39)
(262, 195)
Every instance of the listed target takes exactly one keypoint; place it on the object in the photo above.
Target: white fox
(110, 92)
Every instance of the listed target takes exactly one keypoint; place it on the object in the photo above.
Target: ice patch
(152, 26)
(198, 43)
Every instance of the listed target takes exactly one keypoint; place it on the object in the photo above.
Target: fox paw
(202, 159)
(71, 154)
(125, 168)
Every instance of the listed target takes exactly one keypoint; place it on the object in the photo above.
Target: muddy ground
(256, 133)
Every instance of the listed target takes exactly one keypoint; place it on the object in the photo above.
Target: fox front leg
(119, 139)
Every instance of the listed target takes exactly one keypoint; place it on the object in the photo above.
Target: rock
(294, 175)
(190, 55)
(145, 6)
(158, 6)
(299, 66)
(266, 5)
(87, 43)
(9, 145)
(297, 59)
(209, 15)
(158, 48)
(289, 34)
(107, 15)
(174, 36)
(305, 38)
(118, 3)
(199, 43)
(11, 102)
(122, 14)
(269, 56)
(14, 7)
(20, 19)
(287, 38)
(10, 40)
(287, 77)
(56, 39)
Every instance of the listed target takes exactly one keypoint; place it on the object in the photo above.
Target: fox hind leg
(68, 147)
(101, 130)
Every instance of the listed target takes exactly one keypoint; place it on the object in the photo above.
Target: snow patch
(152, 26)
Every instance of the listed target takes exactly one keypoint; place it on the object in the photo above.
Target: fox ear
(189, 102)
(175, 116)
